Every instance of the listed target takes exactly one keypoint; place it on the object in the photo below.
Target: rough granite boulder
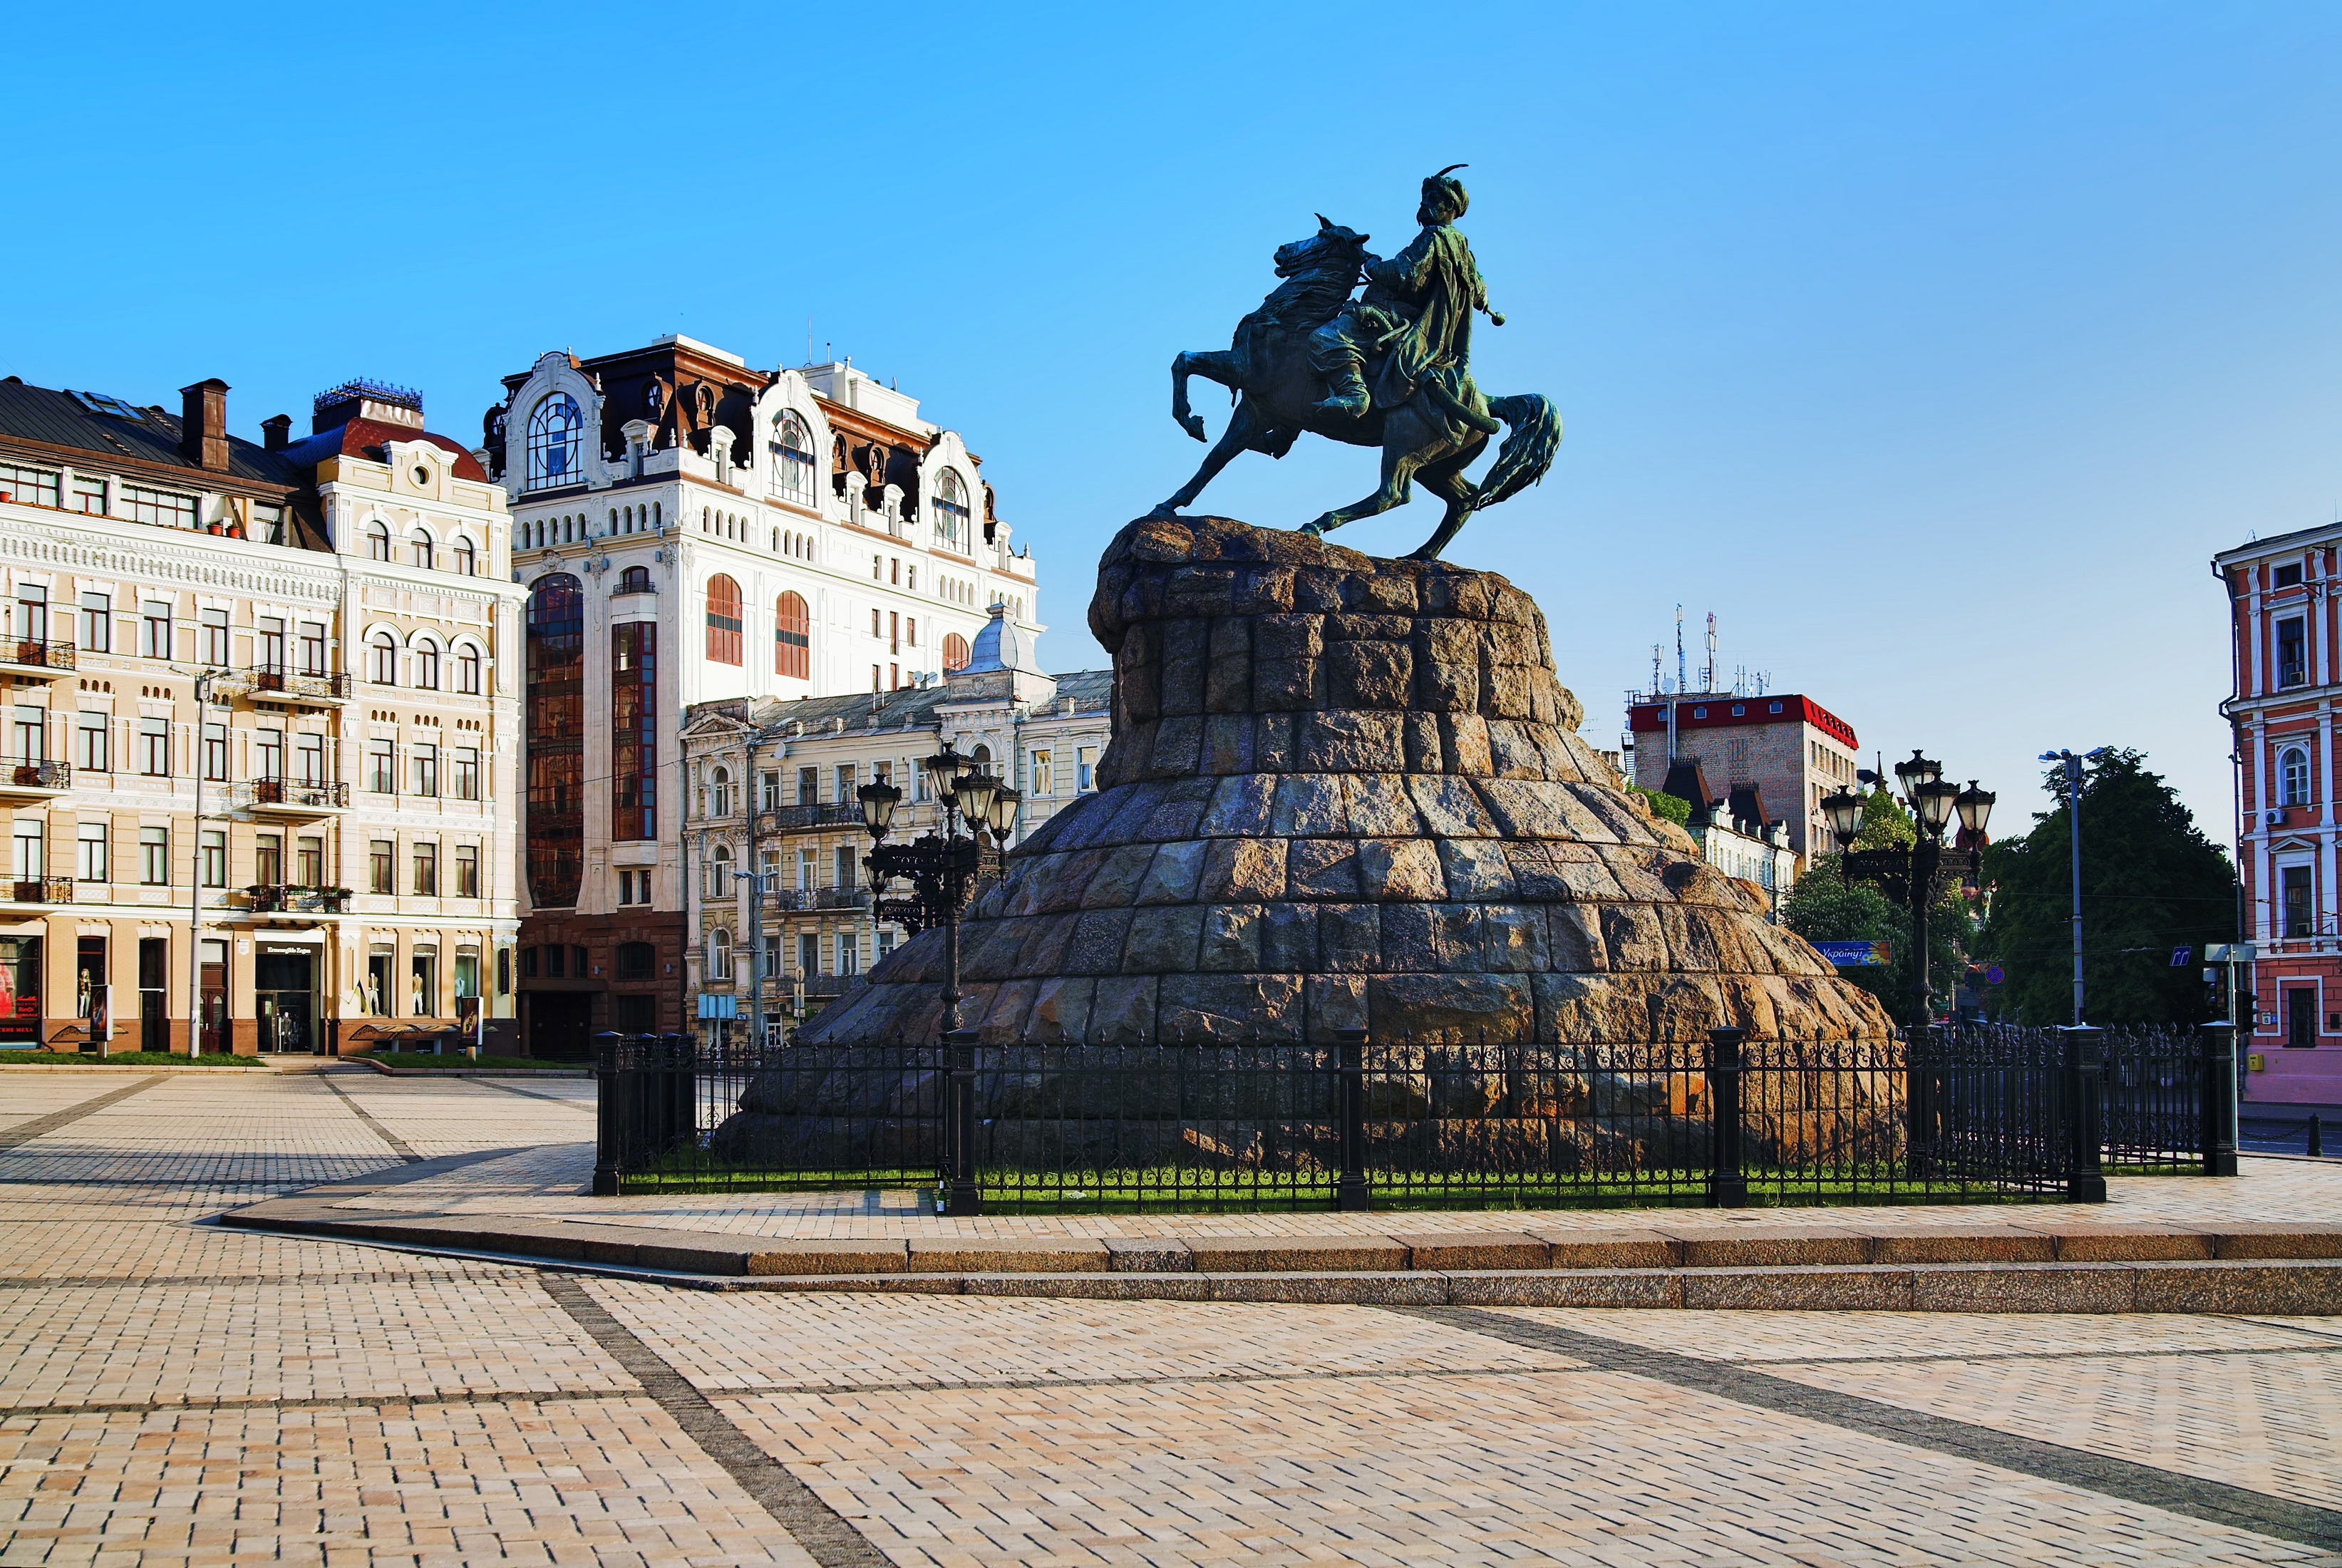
(1347, 791)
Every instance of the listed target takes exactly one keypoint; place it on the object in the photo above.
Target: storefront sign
(1856, 954)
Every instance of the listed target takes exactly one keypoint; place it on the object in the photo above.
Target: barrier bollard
(2219, 1096)
(1728, 1181)
(2316, 1141)
(607, 1116)
(1350, 1192)
(2086, 1137)
(962, 1196)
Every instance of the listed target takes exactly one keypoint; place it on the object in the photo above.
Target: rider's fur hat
(1444, 196)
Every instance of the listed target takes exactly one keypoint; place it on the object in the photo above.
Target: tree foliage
(2151, 883)
(1825, 907)
(1673, 808)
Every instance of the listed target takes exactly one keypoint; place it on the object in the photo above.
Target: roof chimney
(276, 432)
(203, 425)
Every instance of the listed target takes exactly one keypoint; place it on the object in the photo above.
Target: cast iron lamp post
(1913, 876)
(942, 868)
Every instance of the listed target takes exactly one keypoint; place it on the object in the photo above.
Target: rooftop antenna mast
(1658, 676)
(1682, 671)
(1707, 676)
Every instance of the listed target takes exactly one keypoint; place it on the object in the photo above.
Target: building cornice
(238, 565)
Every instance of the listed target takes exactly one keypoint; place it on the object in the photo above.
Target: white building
(691, 530)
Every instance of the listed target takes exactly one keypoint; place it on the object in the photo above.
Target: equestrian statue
(1391, 368)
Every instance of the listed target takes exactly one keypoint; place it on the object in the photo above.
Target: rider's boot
(1346, 389)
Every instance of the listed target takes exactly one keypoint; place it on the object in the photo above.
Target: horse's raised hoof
(1194, 425)
(1313, 530)
(1163, 512)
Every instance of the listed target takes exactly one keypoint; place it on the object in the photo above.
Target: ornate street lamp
(1914, 876)
(942, 868)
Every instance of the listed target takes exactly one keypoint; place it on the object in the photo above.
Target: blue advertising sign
(712, 1005)
(1856, 954)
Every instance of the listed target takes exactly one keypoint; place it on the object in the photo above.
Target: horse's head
(1331, 249)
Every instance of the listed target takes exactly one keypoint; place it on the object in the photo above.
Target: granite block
(2023, 1287)
(1472, 1250)
(1020, 1254)
(1962, 1244)
(1861, 1288)
(826, 1257)
(1354, 1289)
(1610, 1248)
(1256, 1254)
(1766, 1246)
(1148, 1254)
(1566, 1288)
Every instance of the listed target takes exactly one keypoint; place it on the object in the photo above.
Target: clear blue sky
(1934, 348)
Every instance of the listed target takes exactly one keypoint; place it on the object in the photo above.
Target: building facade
(1736, 834)
(1789, 747)
(772, 792)
(689, 531)
(2285, 679)
(258, 750)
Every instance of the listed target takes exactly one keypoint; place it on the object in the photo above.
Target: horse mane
(1319, 276)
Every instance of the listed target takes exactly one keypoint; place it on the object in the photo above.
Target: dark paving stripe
(813, 1524)
(345, 1401)
(239, 1280)
(573, 1103)
(2215, 1502)
(40, 1126)
(398, 1143)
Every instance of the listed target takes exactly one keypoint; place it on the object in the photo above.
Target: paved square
(176, 1392)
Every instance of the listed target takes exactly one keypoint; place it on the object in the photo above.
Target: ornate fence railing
(1931, 1115)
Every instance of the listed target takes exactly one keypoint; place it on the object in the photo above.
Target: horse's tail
(1533, 436)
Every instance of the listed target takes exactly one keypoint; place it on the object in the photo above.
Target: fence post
(1350, 1192)
(2219, 1096)
(961, 1195)
(1919, 1112)
(607, 1116)
(2086, 1137)
(1727, 1182)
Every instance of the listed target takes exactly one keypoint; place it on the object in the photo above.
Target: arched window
(719, 954)
(426, 665)
(468, 670)
(635, 580)
(2293, 777)
(723, 620)
(419, 544)
(385, 669)
(379, 540)
(719, 801)
(467, 560)
(792, 454)
(792, 638)
(556, 433)
(719, 882)
(951, 513)
(955, 651)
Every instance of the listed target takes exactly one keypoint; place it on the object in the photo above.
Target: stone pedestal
(1347, 791)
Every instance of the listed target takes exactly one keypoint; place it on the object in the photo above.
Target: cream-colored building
(260, 735)
(772, 789)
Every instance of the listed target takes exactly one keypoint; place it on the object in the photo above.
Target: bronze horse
(1433, 437)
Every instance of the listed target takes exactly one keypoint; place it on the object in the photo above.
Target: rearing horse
(1433, 437)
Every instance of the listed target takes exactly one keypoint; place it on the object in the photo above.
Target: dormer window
(2289, 576)
(556, 436)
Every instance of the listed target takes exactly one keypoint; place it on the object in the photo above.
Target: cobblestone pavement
(173, 1393)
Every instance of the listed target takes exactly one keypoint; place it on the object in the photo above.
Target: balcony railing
(39, 653)
(786, 818)
(36, 775)
(832, 984)
(290, 898)
(819, 898)
(46, 890)
(274, 681)
(298, 794)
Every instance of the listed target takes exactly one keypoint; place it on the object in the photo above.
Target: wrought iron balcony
(833, 985)
(294, 797)
(275, 681)
(792, 818)
(46, 890)
(36, 658)
(841, 898)
(292, 898)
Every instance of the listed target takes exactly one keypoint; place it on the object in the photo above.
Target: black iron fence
(1931, 1116)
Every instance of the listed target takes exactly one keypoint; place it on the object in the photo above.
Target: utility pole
(2073, 766)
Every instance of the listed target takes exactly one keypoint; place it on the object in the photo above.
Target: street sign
(1994, 976)
(1856, 954)
(2230, 952)
(2180, 957)
(712, 1005)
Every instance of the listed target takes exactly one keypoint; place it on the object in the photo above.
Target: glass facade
(634, 730)
(556, 759)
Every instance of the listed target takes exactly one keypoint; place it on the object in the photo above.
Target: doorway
(154, 1011)
(285, 998)
(211, 1035)
(560, 1025)
(2300, 1017)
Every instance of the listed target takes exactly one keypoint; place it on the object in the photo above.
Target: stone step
(2016, 1267)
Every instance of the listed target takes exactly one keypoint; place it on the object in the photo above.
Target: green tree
(1825, 907)
(2151, 883)
(1673, 808)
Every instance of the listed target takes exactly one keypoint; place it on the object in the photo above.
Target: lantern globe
(975, 790)
(1975, 807)
(1002, 816)
(1934, 806)
(1916, 774)
(1844, 810)
(878, 800)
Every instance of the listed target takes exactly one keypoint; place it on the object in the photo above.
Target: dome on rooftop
(1001, 646)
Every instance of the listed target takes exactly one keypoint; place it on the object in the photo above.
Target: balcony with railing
(292, 898)
(292, 798)
(275, 683)
(36, 658)
(787, 898)
(35, 780)
(797, 818)
(46, 890)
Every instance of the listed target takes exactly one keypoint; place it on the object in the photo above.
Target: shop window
(635, 960)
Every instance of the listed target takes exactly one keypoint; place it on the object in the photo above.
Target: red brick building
(2286, 674)
(1790, 748)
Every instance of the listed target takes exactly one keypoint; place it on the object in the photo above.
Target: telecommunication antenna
(1707, 676)
(1681, 670)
